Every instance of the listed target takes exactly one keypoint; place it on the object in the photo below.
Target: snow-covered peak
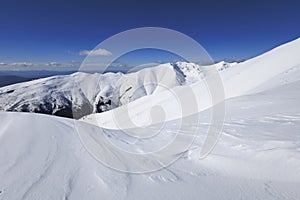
(191, 71)
(194, 72)
(224, 65)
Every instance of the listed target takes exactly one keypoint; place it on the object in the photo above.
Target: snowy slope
(244, 77)
(240, 79)
(257, 157)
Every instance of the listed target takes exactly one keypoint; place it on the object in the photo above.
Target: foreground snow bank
(257, 157)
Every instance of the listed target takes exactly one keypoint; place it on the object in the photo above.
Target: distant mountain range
(13, 77)
(79, 94)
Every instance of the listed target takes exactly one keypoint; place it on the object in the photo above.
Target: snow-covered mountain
(256, 157)
(80, 94)
(254, 75)
(86, 93)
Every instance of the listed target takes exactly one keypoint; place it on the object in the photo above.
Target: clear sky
(36, 31)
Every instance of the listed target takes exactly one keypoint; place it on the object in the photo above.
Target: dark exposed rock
(103, 105)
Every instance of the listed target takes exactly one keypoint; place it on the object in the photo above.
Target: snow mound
(192, 72)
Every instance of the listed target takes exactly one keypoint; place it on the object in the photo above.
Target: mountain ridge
(80, 93)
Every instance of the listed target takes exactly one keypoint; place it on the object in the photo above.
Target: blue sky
(56, 31)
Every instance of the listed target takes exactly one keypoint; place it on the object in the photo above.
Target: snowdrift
(257, 156)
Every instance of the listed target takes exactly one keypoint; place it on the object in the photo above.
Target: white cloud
(53, 64)
(22, 64)
(97, 52)
(25, 66)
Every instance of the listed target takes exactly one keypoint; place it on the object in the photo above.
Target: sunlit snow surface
(257, 155)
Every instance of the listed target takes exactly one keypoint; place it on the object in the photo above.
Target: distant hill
(13, 77)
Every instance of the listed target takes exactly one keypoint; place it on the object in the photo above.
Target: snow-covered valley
(257, 155)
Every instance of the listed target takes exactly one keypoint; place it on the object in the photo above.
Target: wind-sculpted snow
(257, 157)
